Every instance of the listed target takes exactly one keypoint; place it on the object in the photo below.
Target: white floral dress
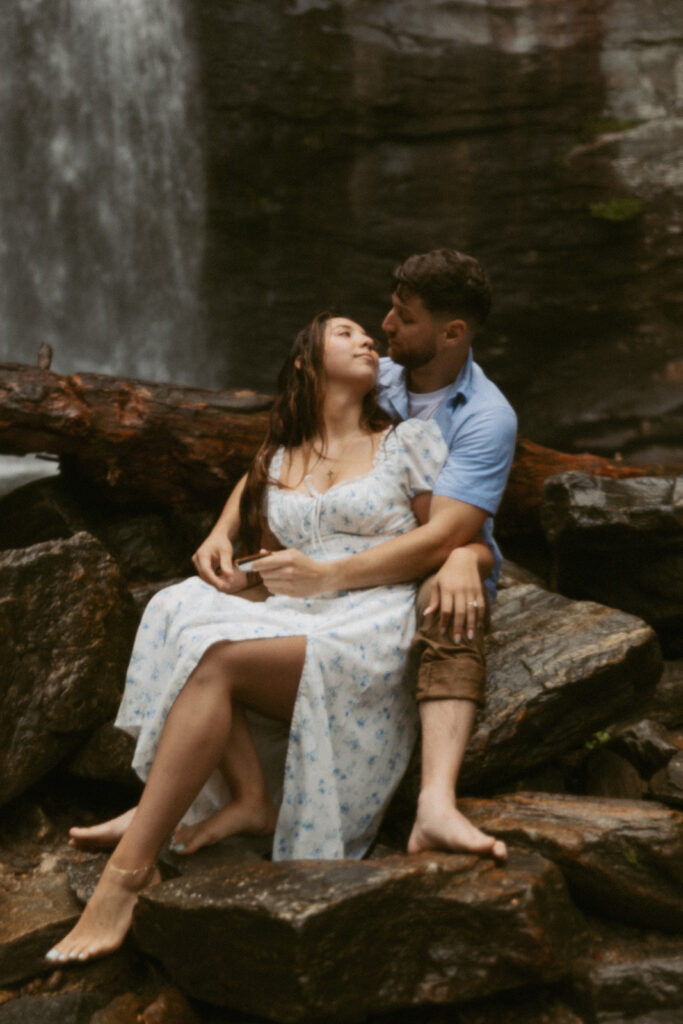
(354, 720)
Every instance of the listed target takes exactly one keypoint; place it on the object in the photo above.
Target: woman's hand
(457, 593)
(296, 575)
(213, 562)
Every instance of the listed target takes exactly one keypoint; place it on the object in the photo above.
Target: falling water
(101, 187)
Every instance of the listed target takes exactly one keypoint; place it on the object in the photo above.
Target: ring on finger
(473, 604)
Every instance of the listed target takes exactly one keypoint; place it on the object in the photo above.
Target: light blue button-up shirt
(479, 426)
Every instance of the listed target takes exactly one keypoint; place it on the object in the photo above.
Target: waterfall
(101, 187)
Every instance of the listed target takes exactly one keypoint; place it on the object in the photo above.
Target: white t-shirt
(423, 406)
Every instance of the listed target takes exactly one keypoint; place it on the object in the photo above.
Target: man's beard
(411, 360)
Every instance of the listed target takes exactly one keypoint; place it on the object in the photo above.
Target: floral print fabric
(354, 720)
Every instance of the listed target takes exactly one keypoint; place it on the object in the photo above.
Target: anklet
(130, 871)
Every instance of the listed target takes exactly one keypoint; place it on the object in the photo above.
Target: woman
(337, 478)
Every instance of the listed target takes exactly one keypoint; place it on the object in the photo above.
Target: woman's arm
(213, 557)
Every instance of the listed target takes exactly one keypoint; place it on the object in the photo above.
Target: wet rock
(123, 1009)
(39, 511)
(537, 1007)
(106, 756)
(169, 1007)
(338, 940)
(621, 858)
(608, 774)
(146, 546)
(632, 979)
(667, 785)
(666, 703)
(557, 670)
(66, 629)
(647, 744)
(620, 542)
(64, 1008)
(37, 912)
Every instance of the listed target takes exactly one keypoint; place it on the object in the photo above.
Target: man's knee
(446, 669)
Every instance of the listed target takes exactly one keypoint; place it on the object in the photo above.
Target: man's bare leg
(439, 825)
(250, 811)
(191, 747)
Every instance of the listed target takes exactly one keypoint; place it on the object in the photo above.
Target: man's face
(412, 331)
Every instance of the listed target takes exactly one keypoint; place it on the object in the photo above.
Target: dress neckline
(312, 491)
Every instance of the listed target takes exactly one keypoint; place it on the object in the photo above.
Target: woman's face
(349, 353)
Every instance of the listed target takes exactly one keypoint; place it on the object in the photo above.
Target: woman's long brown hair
(296, 417)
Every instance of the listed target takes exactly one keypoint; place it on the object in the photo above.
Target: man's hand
(213, 562)
(296, 575)
(457, 593)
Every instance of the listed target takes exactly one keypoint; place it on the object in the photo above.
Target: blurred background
(185, 182)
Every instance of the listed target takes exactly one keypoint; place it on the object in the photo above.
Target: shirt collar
(397, 391)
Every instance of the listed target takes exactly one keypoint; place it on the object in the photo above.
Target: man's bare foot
(236, 818)
(103, 836)
(441, 826)
(104, 923)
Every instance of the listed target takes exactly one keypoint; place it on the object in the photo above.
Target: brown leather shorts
(446, 670)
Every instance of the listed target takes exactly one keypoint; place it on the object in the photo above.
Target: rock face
(300, 940)
(544, 137)
(557, 671)
(66, 626)
(621, 542)
(621, 858)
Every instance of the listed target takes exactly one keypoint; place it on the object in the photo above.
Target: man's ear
(456, 330)
(297, 363)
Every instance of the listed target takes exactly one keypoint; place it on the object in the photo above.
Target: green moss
(631, 857)
(597, 740)
(617, 209)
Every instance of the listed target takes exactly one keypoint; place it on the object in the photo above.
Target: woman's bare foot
(104, 923)
(440, 827)
(103, 836)
(236, 818)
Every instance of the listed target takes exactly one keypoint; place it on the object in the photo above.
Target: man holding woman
(440, 300)
(346, 447)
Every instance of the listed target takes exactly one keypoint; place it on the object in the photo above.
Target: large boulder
(631, 978)
(620, 542)
(621, 858)
(66, 630)
(557, 671)
(338, 940)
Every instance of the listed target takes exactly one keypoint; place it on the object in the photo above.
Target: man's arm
(451, 524)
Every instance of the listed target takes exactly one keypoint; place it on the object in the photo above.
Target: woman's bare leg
(191, 746)
(250, 810)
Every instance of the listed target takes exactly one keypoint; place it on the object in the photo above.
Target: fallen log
(135, 441)
(147, 443)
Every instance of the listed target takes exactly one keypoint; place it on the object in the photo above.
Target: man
(440, 300)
